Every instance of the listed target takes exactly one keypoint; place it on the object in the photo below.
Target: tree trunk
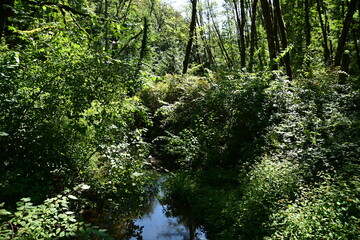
(324, 33)
(344, 32)
(253, 34)
(5, 12)
(143, 49)
(283, 36)
(106, 14)
(242, 35)
(307, 30)
(191, 36)
(241, 28)
(307, 23)
(221, 42)
(238, 24)
(210, 58)
(327, 27)
(276, 31)
(198, 55)
(270, 32)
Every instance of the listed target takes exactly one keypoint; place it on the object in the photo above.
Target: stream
(159, 220)
(158, 223)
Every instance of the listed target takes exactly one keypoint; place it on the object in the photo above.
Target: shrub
(327, 210)
(269, 181)
(274, 136)
(52, 219)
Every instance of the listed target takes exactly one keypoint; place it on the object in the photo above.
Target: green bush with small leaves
(327, 210)
(264, 138)
(53, 219)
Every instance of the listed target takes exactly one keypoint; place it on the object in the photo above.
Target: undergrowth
(261, 156)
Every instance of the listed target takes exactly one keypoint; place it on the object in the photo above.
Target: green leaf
(85, 187)
(3, 134)
(62, 215)
(26, 199)
(4, 212)
(137, 174)
(22, 223)
(72, 197)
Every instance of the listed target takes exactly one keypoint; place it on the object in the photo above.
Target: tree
(191, 35)
(307, 28)
(270, 31)
(252, 34)
(344, 32)
(283, 36)
(241, 27)
(221, 43)
(210, 59)
(6, 11)
(324, 33)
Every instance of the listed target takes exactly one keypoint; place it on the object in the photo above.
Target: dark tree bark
(242, 34)
(5, 12)
(106, 14)
(241, 30)
(270, 31)
(283, 36)
(345, 32)
(143, 49)
(198, 55)
(327, 26)
(307, 23)
(324, 33)
(130, 40)
(144, 39)
(307, 29)
(238, 24)
(253, 34)
(191, 36)
(276, 30)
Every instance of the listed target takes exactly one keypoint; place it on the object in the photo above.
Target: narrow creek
(159, 220)
(159, 223)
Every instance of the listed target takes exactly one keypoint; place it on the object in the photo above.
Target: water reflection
(158, 224)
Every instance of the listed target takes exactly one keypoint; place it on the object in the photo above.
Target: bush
(273, 136)
(269, 181)
(58, 104)
(50, 220)
(327, 210)
(221, 124)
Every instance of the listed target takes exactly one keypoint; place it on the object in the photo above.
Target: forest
(250, 109)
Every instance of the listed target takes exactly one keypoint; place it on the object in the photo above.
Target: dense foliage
(292, 164)
(261, 130)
